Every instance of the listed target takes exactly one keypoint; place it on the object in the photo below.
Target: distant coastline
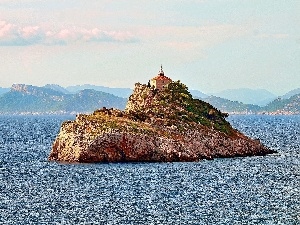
(52, 99)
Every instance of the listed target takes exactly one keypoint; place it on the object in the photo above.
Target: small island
(162, 122)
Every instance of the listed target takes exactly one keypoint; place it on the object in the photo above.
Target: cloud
(14, 35)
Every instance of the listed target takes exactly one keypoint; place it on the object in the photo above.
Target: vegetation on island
(157, 125)
(148, 110)
(175, 103)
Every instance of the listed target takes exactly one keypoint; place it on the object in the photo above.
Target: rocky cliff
(156, 126)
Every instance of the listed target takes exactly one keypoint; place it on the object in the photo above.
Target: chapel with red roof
(160, 81)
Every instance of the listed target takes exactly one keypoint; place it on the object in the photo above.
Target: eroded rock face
(128, 147)
(154, 128)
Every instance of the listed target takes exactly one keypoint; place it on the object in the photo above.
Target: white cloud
(12, 34)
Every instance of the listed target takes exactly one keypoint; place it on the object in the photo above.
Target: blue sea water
(250, 190)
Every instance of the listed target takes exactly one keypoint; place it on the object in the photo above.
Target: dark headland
(161, 123)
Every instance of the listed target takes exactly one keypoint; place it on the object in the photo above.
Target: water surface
(250, 190)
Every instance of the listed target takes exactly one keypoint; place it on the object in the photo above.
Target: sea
(244, 190)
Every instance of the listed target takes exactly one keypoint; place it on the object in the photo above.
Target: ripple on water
(252, 190)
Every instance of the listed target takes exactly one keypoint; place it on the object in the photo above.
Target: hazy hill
(277, 106)
(291, 93)
(87, 100)
(259, 97)
(56, 87)
(3, 90)
(198, 94)
(284, 106)
(228, 106)
(53, 98)
(31, 99)
(121, 92)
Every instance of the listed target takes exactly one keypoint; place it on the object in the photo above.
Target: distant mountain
(89, 100)
(198, 94)
(277, 106)
(54, 99)
(3, 90)
(31, 99)
(56, 87)
(259, 97)
(284, 106)
(120, 92)
(291, 93)
(231, 107)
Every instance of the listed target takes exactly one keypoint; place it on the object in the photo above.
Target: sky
(209, 45)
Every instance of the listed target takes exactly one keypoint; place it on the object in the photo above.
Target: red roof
(161, 77)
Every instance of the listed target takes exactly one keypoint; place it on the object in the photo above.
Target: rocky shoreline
(157, 126)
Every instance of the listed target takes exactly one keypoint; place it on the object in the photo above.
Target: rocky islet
(164, 125)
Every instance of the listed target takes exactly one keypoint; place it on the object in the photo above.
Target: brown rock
(154, 128)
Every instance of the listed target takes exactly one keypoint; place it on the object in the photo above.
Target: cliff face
(141, 98)
(156, 126)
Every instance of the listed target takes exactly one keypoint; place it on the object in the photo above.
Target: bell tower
(161, 72)
(160, 81)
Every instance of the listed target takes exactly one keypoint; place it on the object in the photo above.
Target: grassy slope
(174, 106)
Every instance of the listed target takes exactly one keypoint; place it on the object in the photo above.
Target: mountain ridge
(55, 98)
(29, 99)
(231, 107)
(259, 97)
(291, 93)
(4, 90)
(284, 106)
(120, 92)
(57, 87)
